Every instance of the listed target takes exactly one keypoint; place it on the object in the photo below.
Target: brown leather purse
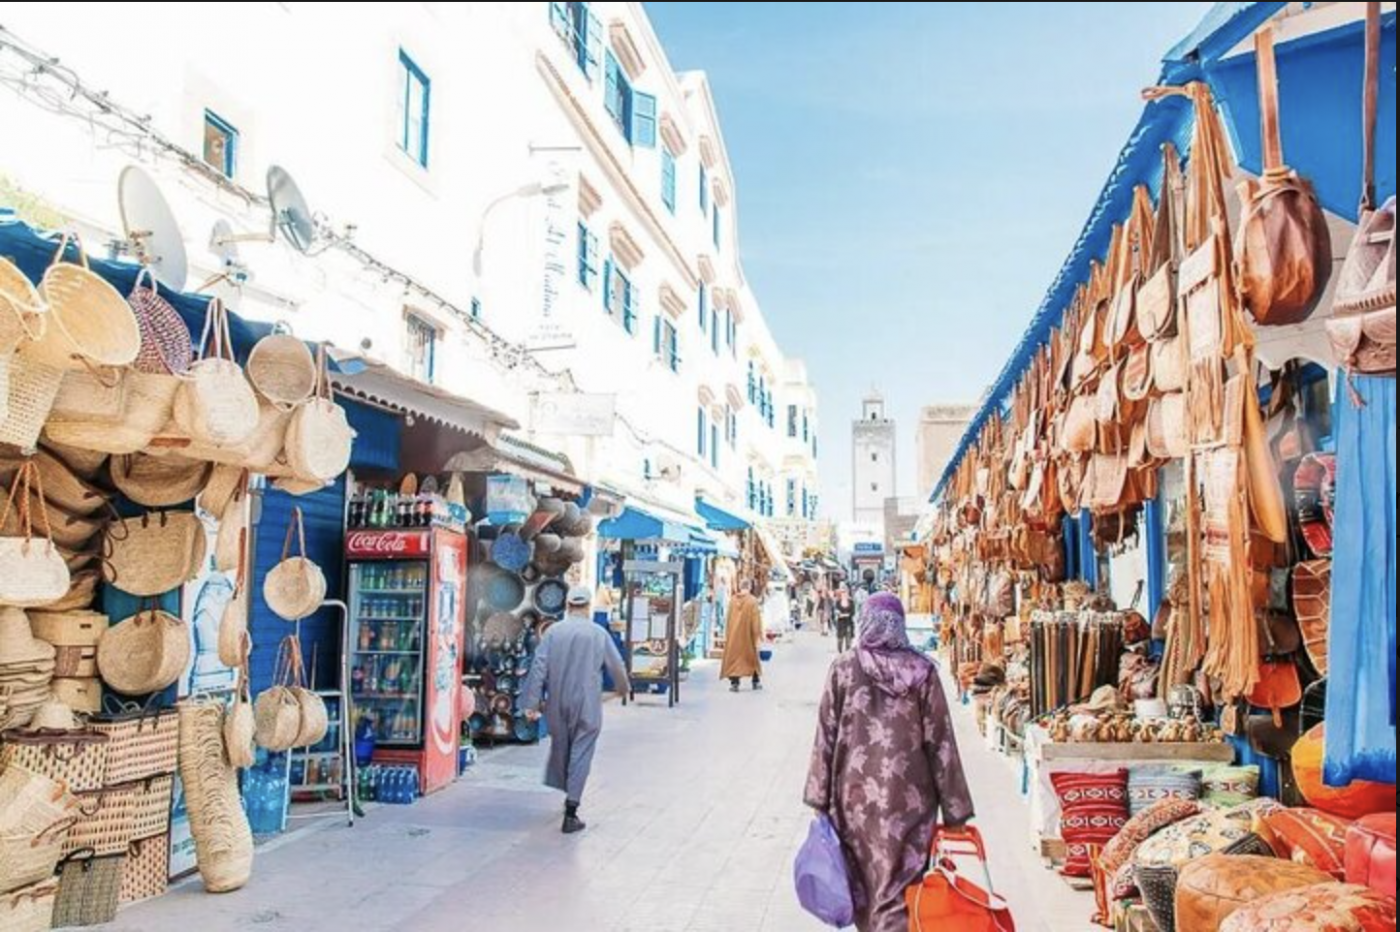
(1312, 601)
(1080, 427)
(1280, 687)
(1362, 328)
(1137, 374)
(1283, 251)
(1156, 299)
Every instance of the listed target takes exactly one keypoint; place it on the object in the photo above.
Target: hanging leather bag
(1156, 299)
(1283, 250)
(1362, 327)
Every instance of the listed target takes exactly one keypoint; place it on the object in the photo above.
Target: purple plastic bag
(819, 874)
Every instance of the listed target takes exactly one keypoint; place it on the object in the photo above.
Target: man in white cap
(567, 679)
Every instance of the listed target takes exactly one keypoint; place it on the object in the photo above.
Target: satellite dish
(152, 235)
(291, 215)
(224, 245)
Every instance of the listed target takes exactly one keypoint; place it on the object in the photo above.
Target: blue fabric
(635, 524)
(1361, 645)
(378, 434)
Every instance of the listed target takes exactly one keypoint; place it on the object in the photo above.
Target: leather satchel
(1283, 251)
(1171, 364)
(1137, 374)
(1280, 687)
(1156, 299)
(1314, 492)
(1111, 490)
(1362, 327)
(1167, 436)
(1279, 634)
(1080, 427)
(1312, 600)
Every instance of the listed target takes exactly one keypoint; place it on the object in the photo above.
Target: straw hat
(53, 715)
(18, 646)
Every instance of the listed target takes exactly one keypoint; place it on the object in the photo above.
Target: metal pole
(347, 719)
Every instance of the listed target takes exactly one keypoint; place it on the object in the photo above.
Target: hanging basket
(32, 571)
(261, 451)
(89, 322)
(215, 403)
(63, 487)
(159, 481)
(81, 594)
(240, 727)
(224, 485)
(155, 553)
(84, 463)
(33, 386)
(23, 316)
(222, 838)
(295, 587)
(282, 370)
(147, 402)
(145, 653)
(319, 438)
(165, 340)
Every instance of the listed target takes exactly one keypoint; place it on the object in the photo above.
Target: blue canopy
(1320, 84)
(700, 544)
(635, 524)
(717, 519)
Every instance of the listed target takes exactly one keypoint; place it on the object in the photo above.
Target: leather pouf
(1370, 853)
(1214, 887)
(1356, 801)
(1332, 907)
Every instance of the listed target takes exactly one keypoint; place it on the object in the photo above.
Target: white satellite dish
(152, 235)
(291, 217)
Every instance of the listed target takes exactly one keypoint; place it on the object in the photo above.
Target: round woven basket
(145, 653)
(82, 592)
(240, 724)
(81, 461)
(282, 369)
(294, 588)
(233, 627)
(222, 839)
(22, 311)
(159, 481)
(33, 386)
(64, 488)
(277, 718)
(89, 322)
(315, 721)
(319, 440)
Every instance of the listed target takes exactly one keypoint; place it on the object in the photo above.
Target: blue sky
(910, 177)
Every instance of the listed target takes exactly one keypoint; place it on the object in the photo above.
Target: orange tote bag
(946, 900)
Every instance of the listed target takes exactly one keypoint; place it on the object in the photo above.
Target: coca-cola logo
(390, 544)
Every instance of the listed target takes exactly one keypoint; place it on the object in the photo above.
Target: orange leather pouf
(1356, 801)
(1214, 887)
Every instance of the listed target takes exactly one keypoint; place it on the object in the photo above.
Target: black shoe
(734, 687)
(573, 825)
(757, 687)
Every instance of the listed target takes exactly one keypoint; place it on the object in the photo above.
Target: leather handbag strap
(295, 525)
(1269, 135)
(1369, 102)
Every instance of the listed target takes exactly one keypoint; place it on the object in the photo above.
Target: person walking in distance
(885, 767)
(566, 677)
(743, 632)
(844, 608)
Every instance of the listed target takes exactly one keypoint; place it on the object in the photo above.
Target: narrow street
(694, 815)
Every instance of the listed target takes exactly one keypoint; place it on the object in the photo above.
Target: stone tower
(873, 463)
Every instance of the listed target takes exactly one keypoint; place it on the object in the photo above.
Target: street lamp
(533, 189)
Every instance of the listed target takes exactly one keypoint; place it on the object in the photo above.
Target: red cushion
(1370, 858)
(1307, 836)
(1094, 808)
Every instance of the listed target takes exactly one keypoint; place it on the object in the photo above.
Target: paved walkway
(694, 815)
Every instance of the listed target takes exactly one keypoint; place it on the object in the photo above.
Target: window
(702, 432)
(413, 110)
(733, 333)
(704, 305)
(753, 384)
(731, 427)
(704, 190)
(220, 144)
(666, 343)
(420, 348)
(806, 427)
(581, 32)
(806, 503)
(587, 258)
(668, 179)
(874, 486)
(714, 331)
(619, 299)
(716, 223)
(791, 497)
(752, 491)
(633, 112)
(714, 445)
(476, 308)
(792, 421)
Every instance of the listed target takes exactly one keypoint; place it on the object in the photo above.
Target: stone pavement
(694, 815)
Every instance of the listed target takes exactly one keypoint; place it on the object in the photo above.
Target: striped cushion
(1227, 787)
(1094, 808)
(1148, 785)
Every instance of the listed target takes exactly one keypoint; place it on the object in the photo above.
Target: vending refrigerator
(407, 632)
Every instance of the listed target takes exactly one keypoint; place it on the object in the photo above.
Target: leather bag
(947, 899)
(1283, 250)
(1157, 298)
(1362, 327)
(1280, 687)
(1312, 600)
(1080, 427)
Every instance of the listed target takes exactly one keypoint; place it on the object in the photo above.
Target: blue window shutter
(643, 120)
(704, 190)
(700, 428)
(714, 331)
(612, 89)
(668, 179)
(716, 223)
(559, 19)
(703, 300)
(607, 285)
(656, 336)
(714, 445)
(592, 47)
(631, 308)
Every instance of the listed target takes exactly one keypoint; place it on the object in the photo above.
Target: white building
(873, 465)
(550, 206)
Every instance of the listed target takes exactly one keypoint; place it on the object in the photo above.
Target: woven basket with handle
(144, 740)
(282, 369)
(145, 653)
(155, 553)
(76, 759)
(147, 872)
(104, 822)
(22, 311)
(223, 841)
(215, 403)
(88, 887)
(90, 324)
(295, 587)
(29, 909)
(32, 387)
(28, 858)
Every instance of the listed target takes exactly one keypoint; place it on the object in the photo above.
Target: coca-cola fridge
(407, 631)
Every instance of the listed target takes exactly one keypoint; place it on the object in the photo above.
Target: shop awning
(518, 458)
(717, 519)
(636, 524)
(700, 544)
(377, 384)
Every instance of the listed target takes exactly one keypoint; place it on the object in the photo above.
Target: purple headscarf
(884, 650)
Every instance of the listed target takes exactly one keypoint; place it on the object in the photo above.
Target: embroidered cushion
(1213, 887)
(1144, 825)
(1093, 809)
(1148, 785)
(1331, 907)
(1307, 836)
(1226, 787)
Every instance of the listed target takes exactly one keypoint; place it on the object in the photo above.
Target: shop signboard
(549, 331)
(388, 545)
(574, 414)
(872, 548)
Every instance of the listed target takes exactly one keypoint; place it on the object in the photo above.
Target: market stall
(1138, 549)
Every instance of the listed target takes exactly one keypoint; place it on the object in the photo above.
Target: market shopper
(566, 677)
(844, 609)
(885, 766)
(743, 633)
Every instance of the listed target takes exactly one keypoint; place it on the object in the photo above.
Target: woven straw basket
(147, 403)
(104, 823)
(32, 571)
(6, 360)
(33, 386)
(31, 908)
(282, 369)
(155, 553)
(143, 741)
(62, 486)
(147, 871)
(225, 483)
(222, 838)
(68, 629)
(145, 653)
(81, 594)
(32, 801)
(233, 627)
(159, 481)
(241, 726)
(89, 323)
(71, 532)
(22, 311)
(82, 462)
(29, 858)
(215, 404)
(295, 587)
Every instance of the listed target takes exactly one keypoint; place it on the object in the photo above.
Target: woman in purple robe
(885, 765)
